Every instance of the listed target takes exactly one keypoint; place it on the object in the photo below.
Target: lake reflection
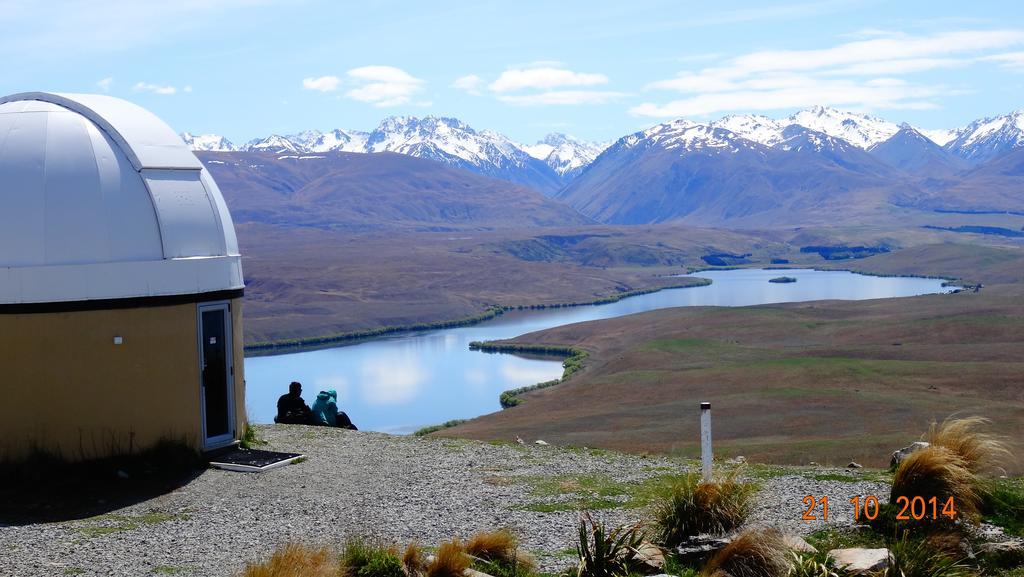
(400, 383)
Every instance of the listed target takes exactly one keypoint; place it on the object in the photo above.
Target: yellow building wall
(68, 389)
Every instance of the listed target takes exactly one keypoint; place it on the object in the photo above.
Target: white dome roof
(99, 199)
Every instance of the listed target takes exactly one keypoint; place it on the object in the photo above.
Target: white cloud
(322, 83)
(1014, 60)
(865, 74)
(188, 88)
(470, 83)
(383, 86)
(153, 88)
(105, 84)
(544, 78)
(562, 97)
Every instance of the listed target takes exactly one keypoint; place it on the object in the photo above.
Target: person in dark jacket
(291, 409)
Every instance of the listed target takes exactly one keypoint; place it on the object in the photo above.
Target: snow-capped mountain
(455, 143)
(208, 142)
(860, 130)
(685, 136)
(566, 155)
(333, 140)
(987, 138)
(274, 143)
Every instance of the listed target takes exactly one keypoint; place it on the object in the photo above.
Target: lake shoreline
(304, 344)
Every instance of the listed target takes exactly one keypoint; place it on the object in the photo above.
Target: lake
(402, 382)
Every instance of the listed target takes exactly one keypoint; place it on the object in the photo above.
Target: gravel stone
(367, 484)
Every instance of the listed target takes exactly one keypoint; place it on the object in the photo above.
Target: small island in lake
(782, 279)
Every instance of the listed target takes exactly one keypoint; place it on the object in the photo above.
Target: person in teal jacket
(325, 408)
(325, 412)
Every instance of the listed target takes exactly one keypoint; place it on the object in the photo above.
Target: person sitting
(291, 409)
(326, 413)
(325, 408)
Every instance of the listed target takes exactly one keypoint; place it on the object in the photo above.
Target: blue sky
(594, 69)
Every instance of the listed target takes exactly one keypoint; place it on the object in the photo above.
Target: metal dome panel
(99, 199)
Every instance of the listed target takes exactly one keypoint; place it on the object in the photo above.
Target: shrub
(363, 559)
(450, 561)
(604, 553)
(935, 556)
(294, 560)
(755, 553)
(690, 507)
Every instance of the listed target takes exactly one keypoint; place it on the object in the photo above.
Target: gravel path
(368, 484)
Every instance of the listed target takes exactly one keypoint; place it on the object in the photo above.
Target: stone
(860, 561)
(699, 549)
(1006, 553)
(651, 555)
(813, 464)
(854, 465)
(798, 544)
(738, 460)
(900, 454)
(540, 442)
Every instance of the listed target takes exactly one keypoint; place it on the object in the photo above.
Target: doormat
(251, 460)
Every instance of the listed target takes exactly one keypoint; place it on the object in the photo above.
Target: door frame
(210, 443)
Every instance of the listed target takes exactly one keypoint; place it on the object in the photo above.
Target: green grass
(250, 438)
(1005, 505)
(828, 539)
(115, 523)
(593, 492)
(434, 428)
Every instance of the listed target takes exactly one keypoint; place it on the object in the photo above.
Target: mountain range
(739, 170)
(545, 166)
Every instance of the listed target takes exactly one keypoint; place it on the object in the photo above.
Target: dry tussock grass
(981, 452)
(692, 507)
(938, 472)
(498, 546)
(755, 553)
(450, 560)
(413, 559)
(295, 560)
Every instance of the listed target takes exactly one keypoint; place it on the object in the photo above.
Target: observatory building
(120, 284)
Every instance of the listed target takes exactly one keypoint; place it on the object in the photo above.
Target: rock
(797, 543)
(651, 555)
(814, 464)
(854, 465)
(900, 454)
(540, 442)
(859, 561)
(1006, 554)
(520, 440)
(699, 549)
(738, 460)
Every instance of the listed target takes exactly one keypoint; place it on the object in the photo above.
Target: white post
(705, 441)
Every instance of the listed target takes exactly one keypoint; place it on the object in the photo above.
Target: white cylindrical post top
(705, 441)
